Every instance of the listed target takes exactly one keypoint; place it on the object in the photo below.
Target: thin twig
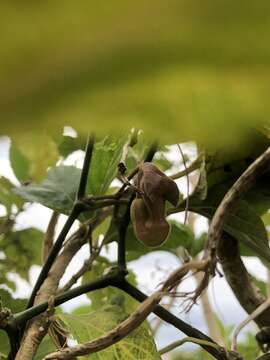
(177, 276)
(116, 280)
(75, 277)
(195, 165)
(132, 141)
(70, 220)
(49, 235)
(129, 324)
(244, 182)
(122, 330)
(85, 267)
(251, 317)
(181, 342)
(174, 321)
(159, 322)
(85, 169)
(148, 158)
(187, 177)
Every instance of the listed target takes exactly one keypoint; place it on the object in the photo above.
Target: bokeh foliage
(201, 68)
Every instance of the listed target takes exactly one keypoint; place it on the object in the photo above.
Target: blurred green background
(179, 69)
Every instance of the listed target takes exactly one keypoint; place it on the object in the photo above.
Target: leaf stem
(177, 343)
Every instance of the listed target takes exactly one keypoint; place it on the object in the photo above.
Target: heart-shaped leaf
(57, 191)
(138, 345)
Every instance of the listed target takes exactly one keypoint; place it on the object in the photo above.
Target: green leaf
(4, 280)
(226, 165)
(7, 196)
(198, 244)
(162, 162)
(262, 285)
(102, 228)
(137, 152)
(22, 250)
(137, 345)
(4, 345)
(246, 226)
(15, 305)
(259, 195)
(19, 163)
(243, 223)
(248, 347)
(103, 169)
(83, 309)
(181, 235)
(69, 144)
(38, 150)
(57, 191)
(108, 294)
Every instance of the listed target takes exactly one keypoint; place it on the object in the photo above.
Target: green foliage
(192, 355)
(246, 226)
(32, 154)
(218, 173)
(22, 249)
(259, 195)
(106, 156)
(138, 345)
(248, 348)
(262, 285)
(68, 144)
(171, 76)
(15, 305)
(221, 167)
(4, 345)
(57, 191)
(7, 196)
(243, 223)
(19, 163)
(162, 162)
(108, 294)
(46, 347)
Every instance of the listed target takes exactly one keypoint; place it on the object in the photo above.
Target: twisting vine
(15, 324)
